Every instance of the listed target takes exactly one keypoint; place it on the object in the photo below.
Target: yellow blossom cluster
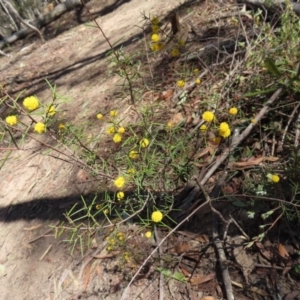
(175, 52)
(208, 116)
(113, 113)
(40, 127)
(133, 154)
(117, 138)
(273, 178)
(156, 44)
(180, 83)
(148, 234)
(11, 120)
(233, 111)
(144, 143)
(157, 216)
(119, 182)
(120, 195)
(51, 111)
(31, 103)
(224, 130)
(131, 171)
(116, 130)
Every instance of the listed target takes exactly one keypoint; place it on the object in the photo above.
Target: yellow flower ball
(144, 143)
(121, 130)
(111, 130)
(51, 111)
(155, 37)
(203, 127)
(208, 116)
(99, 116)
(180, 83)
(131, 171)
(117, 138)
(233, 111)
(31, 103)
(133, 154)
(196, 71)
(155, 21)
(113, 113)
(253, 121)
(169, 125)
(224, 130)
(216, 140)
(155, 28)
(175, 52)
(98, 206)
(11, 120)
(120, 195)
(40, 127)
(198, 81)
(156, 216)
(181, 43)
(119, 182)
(148, 234)
(157, 46)
(106, 211)
(61, 126)
(273, 178)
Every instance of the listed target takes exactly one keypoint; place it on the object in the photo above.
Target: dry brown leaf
(265, 252)
(213, 141)
(208, 298)
(283, 252)
(87, 276)
(99, 271)
(259, 291)
(202, 238)
(167, 95)
(255, 161)
(111, 254)
(82, 175)
(199, 278)
(184, 271)
(207, 150)
(182, 248)
(32, 227)
(176, 119)
(243, 258)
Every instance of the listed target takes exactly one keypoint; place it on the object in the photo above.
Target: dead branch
(58, 11)
(13, 11)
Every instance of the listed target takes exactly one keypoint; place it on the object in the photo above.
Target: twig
(45, 233)
(72, 156)
(45, 253)
(218, 244)
(121, 65)
(161, 276)
(261, 198)
(239, 227)
(222, 259)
